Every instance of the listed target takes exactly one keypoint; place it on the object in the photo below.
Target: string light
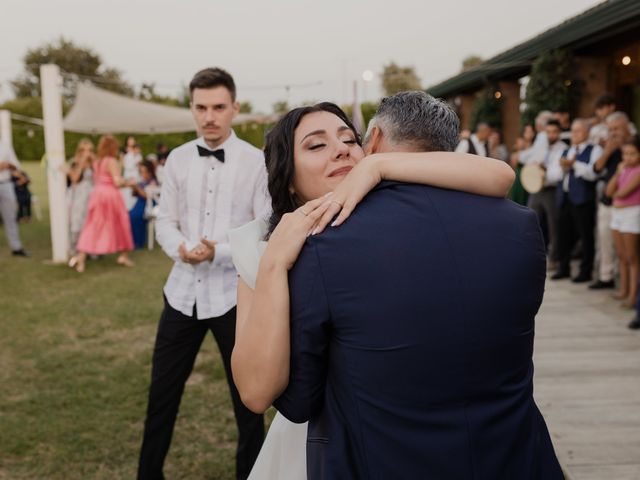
(626, 60)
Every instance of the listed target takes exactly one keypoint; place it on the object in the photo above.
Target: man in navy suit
(412, 327)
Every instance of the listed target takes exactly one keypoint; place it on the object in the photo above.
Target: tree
(471, 61)
(246, 107)
(486, 109)
(148, 93)
(281, 106)
(553, 85)
(399, 79)
(78, 63)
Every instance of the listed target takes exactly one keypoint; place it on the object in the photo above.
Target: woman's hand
(289, 236)
(358, 182)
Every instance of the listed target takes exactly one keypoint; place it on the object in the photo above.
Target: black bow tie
(205, 152)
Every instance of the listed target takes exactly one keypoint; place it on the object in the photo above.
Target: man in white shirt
(605, 105)
(477, 142)
(212, 184)
(544, 202)
(577, 200)
(8, 202)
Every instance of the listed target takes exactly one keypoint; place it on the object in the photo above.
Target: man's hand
(613, 143)
(566, 164)
(4, 165)
(201, 252)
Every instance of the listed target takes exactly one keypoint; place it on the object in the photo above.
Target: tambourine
(532, 177)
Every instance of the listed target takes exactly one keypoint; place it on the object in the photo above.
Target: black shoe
(635, 323)
(560, 274)
(20, 253)
(599, 285)
(582, 278)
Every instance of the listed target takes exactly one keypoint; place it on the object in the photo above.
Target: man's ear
(236, 108)
(374, 141)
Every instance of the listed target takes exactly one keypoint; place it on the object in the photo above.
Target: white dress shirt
(202, 197)
(580, 169)
(7, 155)
(463, 146)
(553, 173)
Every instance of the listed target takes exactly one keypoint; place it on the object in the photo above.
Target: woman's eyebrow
(315, 132)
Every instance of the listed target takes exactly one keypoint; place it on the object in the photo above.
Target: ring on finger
(303, 212)
(336, 202)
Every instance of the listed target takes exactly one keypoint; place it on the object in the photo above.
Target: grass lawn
(75, 354)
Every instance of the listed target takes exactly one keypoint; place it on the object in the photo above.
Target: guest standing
(21, 183)
(107, 228)
(80, 181)
(606, 166)
(577, 202)
(211, 185)
(141, 193)
(8, 202)
(523, 152)
(497, 149)
(544, 202)
(624, 188)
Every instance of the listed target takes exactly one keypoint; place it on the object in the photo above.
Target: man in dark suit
(412, 327)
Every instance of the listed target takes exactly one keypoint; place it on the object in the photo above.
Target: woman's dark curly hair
(278, 153)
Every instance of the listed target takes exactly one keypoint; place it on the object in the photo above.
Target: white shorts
(626, 219)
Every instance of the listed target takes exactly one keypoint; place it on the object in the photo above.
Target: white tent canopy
(99, 111)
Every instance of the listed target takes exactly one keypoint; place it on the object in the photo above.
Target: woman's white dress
(283, 455)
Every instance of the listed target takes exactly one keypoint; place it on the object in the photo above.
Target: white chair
(151, 212)
(36, 207)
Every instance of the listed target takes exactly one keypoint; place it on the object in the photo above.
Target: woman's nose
(342, 150)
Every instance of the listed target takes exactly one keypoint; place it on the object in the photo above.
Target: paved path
(587, 382)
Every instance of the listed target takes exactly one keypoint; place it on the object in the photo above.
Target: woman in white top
(300, 155)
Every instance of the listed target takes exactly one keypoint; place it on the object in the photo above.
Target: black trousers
(177, 344)
(576, 222)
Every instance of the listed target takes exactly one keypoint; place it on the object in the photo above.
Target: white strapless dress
(283, 455)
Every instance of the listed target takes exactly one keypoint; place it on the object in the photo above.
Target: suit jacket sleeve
(310, 325)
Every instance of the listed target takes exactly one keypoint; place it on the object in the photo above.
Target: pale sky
(318, 47)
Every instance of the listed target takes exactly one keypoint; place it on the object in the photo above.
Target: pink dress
(107, 228)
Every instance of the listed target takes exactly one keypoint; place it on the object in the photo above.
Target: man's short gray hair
(417, 120)
(617, 116)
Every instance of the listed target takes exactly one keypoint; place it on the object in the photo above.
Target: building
(605, 41)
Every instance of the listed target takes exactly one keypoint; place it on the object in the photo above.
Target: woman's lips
(340, 171)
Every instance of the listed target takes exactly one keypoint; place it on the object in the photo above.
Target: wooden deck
(587, 382)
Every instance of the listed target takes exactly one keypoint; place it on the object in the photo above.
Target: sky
(317, 48)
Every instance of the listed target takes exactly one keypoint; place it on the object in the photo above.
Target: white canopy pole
(54, 145)
(5, 127)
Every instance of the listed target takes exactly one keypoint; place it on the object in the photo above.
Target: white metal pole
(54, 145)
(6, 135)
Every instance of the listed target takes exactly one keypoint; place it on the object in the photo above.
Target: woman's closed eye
(318, 146)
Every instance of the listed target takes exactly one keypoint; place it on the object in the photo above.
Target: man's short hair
(211, 78)
(617, 116)
(554, 123)
(417, 120)
(605, 100)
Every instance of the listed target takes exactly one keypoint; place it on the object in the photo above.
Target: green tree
(368, 111)
(487, 108)
(77, 63)
(399, 79)
(246, 107)
(471, 61)
(148, 93)
(553, 84)
(281, 106)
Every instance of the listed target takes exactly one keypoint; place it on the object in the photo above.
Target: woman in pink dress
(107, 228)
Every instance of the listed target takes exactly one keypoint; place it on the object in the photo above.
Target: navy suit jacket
(412, 332)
